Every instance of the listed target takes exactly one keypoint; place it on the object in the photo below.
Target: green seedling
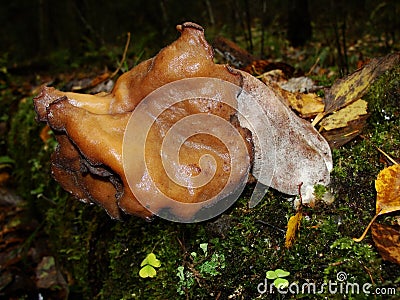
(277, 276)
(148, 266)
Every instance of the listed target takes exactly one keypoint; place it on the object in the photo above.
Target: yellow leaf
(387, 186)
(342, 117)
(292, 229)
(307, 105)
(353, 87)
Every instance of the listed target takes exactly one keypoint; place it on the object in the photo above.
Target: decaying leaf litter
(392, 234)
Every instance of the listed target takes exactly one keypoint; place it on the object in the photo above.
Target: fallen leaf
(293, 228)
(387, 186)
(259, 67)
(342, 117)
(387, 241)
(301, 84)
(353, 87)
(307, 105)
(340, 136)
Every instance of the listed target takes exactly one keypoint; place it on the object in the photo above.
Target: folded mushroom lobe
(69, 168)
(91, 165)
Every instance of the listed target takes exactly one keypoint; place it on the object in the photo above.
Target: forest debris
(351, 88)
(24, 253)
(293, 229)
(49, 277)
(307, 105)
(340, 136)
(342, 117)
(232, 53)
(104, 79)
(387, 186)
(261, 67)
(387, 241)
(299, 84)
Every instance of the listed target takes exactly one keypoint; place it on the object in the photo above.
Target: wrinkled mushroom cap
(282, 150)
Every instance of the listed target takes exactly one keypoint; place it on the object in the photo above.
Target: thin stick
(128, 40)
(387, 156)
(313, 66)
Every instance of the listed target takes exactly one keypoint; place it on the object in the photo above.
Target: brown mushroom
(92, 131)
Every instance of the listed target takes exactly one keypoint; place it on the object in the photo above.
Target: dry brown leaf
(387, 241)
(292, 229)
(387, 186)
(340, 136)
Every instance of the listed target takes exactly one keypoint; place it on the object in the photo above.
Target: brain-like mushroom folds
(90, 130)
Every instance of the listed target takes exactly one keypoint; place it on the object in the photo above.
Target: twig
(301, 198)
(381, 151)
(313, 66)
(128, 40)
(387, 155)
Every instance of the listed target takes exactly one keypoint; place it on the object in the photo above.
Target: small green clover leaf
(148, 264)
(151, 260)
(147, 271)
(277, 275)
(281, 283)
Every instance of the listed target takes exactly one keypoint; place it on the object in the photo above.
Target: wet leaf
(353, 87)
(387, 241)
(293, 228)
(307, 105)
(347, 114)
(387, 186)
(340, 136)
